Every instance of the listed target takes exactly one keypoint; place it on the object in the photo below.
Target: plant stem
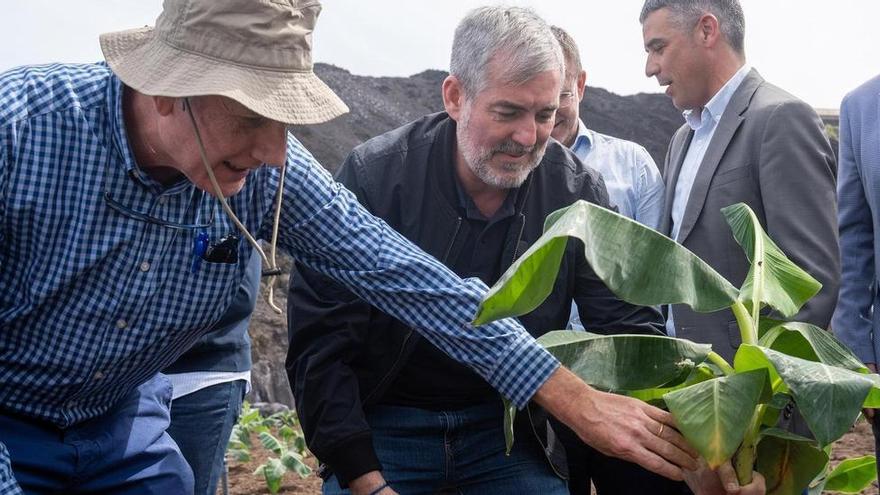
(719, 361)
(744, 459)
(746, 326)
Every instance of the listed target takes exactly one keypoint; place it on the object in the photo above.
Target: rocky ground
(859, 442)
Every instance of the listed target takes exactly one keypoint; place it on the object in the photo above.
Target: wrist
(367, 483)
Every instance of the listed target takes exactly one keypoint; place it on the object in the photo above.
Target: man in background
(744, 140)
(634, 184)
(855, 319)
(635, 188)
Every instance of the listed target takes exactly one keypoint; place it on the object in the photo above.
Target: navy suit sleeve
(851, 322)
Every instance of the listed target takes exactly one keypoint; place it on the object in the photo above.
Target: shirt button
(71, 404)
(121, 324)
(145, 266)
(98, 375)
(163, 200)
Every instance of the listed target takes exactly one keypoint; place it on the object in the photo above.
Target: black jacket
(344, 353)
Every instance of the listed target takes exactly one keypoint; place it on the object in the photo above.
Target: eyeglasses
(566, 98)
(152, 219)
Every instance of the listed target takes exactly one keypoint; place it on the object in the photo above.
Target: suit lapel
(673, 168)
(730, 121)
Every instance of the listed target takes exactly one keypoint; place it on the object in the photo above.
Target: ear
(453, 97)
(164, 105)
(581, 84)
(708, 30)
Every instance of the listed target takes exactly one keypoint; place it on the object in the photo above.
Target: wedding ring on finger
(660, 431)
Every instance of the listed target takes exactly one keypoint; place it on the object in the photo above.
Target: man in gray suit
(745, 141)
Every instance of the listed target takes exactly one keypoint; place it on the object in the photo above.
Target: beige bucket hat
(257, 52)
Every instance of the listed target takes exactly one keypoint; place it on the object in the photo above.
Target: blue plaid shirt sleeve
(325, 227)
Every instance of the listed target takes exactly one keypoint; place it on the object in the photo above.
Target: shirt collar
(584, 138)
(115, 94)
(716, 106)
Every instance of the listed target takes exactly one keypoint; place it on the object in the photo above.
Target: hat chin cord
(267, 261)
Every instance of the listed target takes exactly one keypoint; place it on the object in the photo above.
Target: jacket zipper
(409, 334)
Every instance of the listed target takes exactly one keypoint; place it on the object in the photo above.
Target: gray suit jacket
(770, 152)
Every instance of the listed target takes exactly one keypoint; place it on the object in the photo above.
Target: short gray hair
(569, 49)
(516, 33)
(686, 13)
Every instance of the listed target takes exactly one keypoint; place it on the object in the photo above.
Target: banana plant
(727, 411)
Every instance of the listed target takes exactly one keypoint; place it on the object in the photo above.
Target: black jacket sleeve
(327, 326)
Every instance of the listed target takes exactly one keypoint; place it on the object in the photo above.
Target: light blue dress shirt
(703, 124)
(631, 176)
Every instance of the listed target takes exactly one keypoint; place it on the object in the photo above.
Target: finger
(659, 415)
(672, 436)
(669, 420)
(727, 475)
(869, 414)
(657, 464)
(668, 448)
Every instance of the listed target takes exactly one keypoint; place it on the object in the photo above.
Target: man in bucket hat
(124, 190)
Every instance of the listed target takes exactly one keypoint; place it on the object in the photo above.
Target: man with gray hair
(132, 195)
(381, 405)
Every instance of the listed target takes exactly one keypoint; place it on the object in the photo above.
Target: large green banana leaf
(852, 475)
(773, 279)
(638, 264)
(829, 398)
(788, 462)
(714, 415)
(812, 343)
(625, 362)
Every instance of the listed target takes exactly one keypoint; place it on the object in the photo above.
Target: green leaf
(271, 443)
(773, 278)
(299, 445)
(713, 415)
(294, 462)
(829, 398)
(852, 475)
(812, 343)
(637, 263)
(240, 455)
(272, 472)
(625, 362)
(654, 396)
(749, 358)
(788, 462)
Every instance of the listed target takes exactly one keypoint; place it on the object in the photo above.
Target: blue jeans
(124, 451)
(201, 423)
(423, 452)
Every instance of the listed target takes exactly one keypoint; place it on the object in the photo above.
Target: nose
(652, 68)
(526, 133)
(271, 146)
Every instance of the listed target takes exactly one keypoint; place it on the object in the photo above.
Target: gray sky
(817, 50)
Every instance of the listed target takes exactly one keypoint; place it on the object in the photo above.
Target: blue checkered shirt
(94, 302)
